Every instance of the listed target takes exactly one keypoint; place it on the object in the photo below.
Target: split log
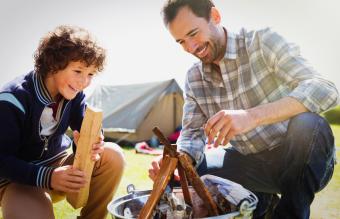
(89, 134)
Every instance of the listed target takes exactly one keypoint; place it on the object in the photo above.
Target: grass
(326, 204)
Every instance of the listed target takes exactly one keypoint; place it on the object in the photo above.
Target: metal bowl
(132, 204)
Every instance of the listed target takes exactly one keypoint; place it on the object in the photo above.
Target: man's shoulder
(261, 39)
(251, 33)
(195, 72)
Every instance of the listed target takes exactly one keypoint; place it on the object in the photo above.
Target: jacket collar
(41, 91)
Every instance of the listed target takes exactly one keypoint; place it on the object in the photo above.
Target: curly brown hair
(65, 44)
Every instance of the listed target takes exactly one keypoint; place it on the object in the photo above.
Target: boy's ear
(215, 16)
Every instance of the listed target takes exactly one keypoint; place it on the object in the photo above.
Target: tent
(131, 111)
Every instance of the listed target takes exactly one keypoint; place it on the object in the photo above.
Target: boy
(36, 109)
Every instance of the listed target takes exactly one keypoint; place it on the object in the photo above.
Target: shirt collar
(230, 53)
(41, 91)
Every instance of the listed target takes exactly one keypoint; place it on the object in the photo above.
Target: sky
(139, 47)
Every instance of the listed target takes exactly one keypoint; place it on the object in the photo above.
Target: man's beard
(215, 51)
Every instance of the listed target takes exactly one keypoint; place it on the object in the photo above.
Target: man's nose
(191, 46)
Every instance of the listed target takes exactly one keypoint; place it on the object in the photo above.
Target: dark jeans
(298, 168)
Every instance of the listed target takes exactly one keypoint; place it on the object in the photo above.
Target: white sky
(139, 47)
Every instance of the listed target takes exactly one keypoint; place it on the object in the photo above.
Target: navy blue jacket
(26, 155)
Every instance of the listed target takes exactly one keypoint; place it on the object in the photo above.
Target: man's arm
(309, 91)
(192, 138)
(277, 111)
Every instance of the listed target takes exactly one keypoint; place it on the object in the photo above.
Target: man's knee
(305, 128)
(307, 123)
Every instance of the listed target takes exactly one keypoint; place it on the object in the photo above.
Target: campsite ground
(325, 206)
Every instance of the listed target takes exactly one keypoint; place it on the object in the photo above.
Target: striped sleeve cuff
(316, 97)
(44, 177)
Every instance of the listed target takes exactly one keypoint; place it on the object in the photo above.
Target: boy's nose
(81, 82)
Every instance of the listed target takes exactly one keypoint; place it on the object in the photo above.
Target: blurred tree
(333, 115)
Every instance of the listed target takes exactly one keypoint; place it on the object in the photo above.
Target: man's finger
(222, 134)
(210, 127)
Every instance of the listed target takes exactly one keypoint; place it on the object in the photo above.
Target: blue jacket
(26, 155)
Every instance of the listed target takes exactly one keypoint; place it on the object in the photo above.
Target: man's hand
(226, 124)
(97, 148)
(66, 179)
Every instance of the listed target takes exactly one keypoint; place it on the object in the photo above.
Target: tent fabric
(131, 111)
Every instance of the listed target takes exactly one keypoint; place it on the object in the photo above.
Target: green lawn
(325, 206)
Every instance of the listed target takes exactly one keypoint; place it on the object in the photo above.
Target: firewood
(89, 134)
(162, 179)
(168, 147)
(198, 185)
(184, 184)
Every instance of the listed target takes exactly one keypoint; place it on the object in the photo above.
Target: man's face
(196, 35)
(71, 80)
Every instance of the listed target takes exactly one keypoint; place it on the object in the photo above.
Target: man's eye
(193, 34)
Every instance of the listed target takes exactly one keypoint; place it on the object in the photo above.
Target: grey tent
(131, 111)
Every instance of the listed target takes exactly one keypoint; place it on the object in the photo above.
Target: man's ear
(215, 16)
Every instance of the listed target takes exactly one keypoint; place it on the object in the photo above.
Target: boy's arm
(77, 111)
(77, 115)
(12, 168)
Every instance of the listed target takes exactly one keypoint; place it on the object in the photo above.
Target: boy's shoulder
(21, 88)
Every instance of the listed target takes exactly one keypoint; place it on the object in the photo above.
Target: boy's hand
(68, 180)
(97, 148)
(76, 136)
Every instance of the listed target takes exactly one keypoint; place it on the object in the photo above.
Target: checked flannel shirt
(259, 67)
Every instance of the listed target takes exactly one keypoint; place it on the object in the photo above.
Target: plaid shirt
(259, 67)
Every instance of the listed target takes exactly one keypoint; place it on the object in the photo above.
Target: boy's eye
(91, 75)
(77, 71)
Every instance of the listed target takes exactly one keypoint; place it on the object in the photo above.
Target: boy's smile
(69, 81)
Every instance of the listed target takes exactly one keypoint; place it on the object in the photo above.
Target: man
(255, 91)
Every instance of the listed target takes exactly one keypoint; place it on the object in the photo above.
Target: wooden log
(162, 179)
(89, 134)
(168, 147)
(198, 185)
(184, 184)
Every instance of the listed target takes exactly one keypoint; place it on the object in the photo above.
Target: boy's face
(71, 80)
(196, 35)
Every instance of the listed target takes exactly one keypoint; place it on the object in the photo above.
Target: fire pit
(187, 202)
(129, 206)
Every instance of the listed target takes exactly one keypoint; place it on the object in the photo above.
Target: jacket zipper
(45, 148)
(45, 139)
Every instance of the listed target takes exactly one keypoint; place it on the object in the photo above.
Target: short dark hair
(65, 44)
(200, 8)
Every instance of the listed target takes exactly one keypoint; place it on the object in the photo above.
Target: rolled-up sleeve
(307, 86)
(192, 138)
